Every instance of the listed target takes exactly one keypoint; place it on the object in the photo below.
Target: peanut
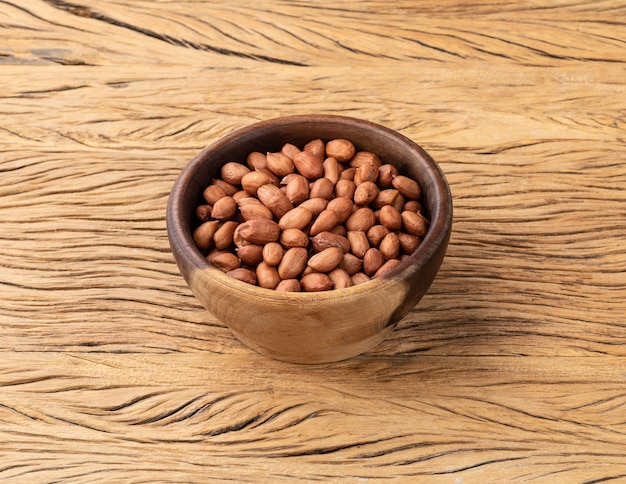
(340, 149)
(316, 281)
(326, 260)
(279, 164)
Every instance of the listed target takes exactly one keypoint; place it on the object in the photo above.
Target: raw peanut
(340, 149)
(251, 181)
(232, 172)
(365, 172)
(345, 188)
(267, 276)
(315, 205)
(386, 173)
(273, 198)
(223, 237)
(390, 246)
(250, 254)
(224, 260)
(272, 253)
(398, 203)
(342, 206)
(309, 165)
(372, 261)
(256, 160)
(279, 164)
(259, 231)
(408, 187)
(244, 275)
(386, 197)
(229, 188)
(290, 150)
(325, 221)
(296, 218)
(293, 263)
(339, 230)
(315, 282)
(322, 188)
(212, 194)
(412, 206)
(316, 147)
(408, 243)
(203, 212)
(332, 170)
(359, 244)
(296, 188)
(365, 157)
(250, 208)
(376, 234)
(365, 193)
(351, 263)
(290, 238)
(361, 219)
(386, 267)
(324, 240)
(341, 279)
(359, 278)
(238, 240)
(414, 223)
(273, 178)
(326, 260)
(289, 285)
(224, 208)
(239, 195)
(390, 218)
(404, 257)
(203, 235)
(348, 174)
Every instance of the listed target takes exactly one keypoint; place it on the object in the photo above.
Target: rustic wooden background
(511, 369)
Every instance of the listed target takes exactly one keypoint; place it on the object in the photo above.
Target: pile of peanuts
(313, 219)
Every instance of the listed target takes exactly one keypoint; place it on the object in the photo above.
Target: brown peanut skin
(232, 172)
(250, 254)
(224, 208)
(267, 276)
(273, 198)
(244, 275)
(372, 261)
(279, 164)
(203, 235)
(340, 277)
(212, 194)
(340, 149)
(259, 231)
(293, 263)
(326, 260)
(316, 281)
(289, 285)
(309, 165)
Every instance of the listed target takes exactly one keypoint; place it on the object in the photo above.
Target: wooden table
(511, 369)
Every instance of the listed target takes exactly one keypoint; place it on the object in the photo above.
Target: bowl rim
(438, 233)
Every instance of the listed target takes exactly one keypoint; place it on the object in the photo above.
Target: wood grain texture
(512, 368)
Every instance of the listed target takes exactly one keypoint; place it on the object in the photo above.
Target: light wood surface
(511, 369)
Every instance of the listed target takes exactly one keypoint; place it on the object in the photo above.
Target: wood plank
(435, 417)
(512, 368)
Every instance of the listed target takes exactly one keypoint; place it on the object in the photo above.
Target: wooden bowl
(322, 326)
